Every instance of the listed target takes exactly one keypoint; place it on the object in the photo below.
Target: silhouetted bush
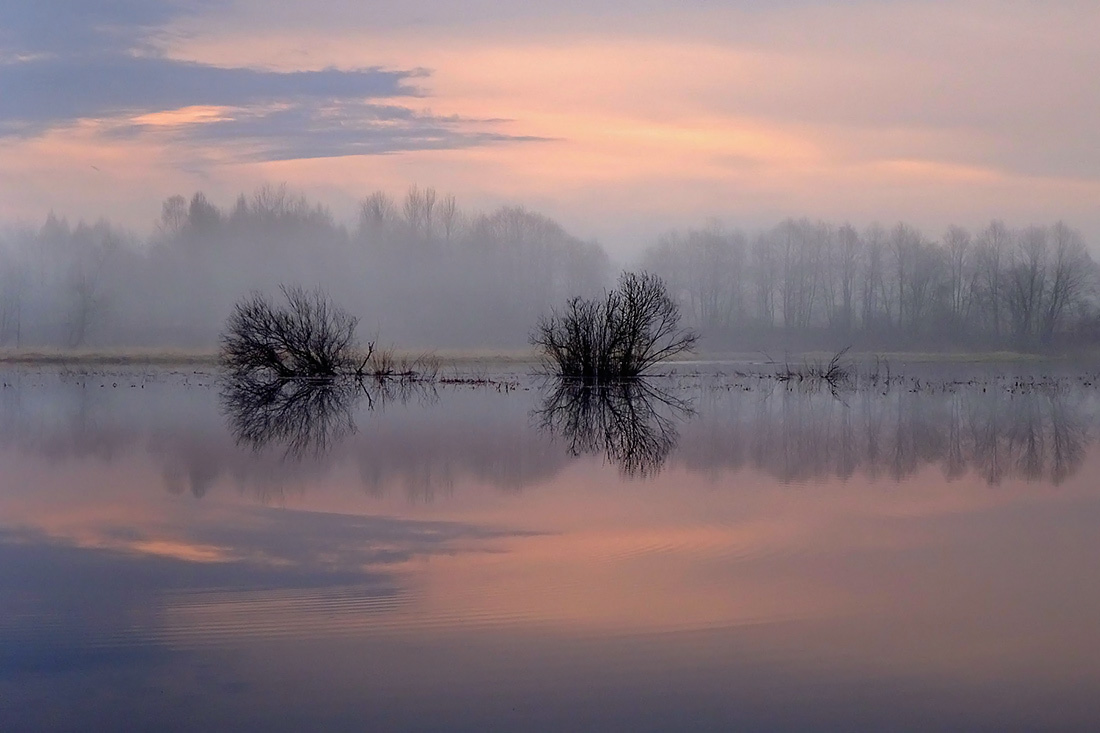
(307, 337)
(633, 327)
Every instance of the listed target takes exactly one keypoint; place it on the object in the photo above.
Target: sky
(619, 119)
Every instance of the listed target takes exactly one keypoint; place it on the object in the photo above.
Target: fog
(422, 272)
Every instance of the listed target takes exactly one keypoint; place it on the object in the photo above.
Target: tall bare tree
(957, 242)
(1072, 275)
(993, 246)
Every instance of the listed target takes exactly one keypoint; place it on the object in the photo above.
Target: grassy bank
(181, 357)
(904, 357)
(107, 357)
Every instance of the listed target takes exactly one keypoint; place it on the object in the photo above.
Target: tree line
(999, 287)
(424, 272)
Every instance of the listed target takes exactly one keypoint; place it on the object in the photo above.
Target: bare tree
(765, 277)
(1071, 274)
(905, 243)
(414, 210)
(12, 292)
(876, 303)
(630, 330)
(14, 277)
(802, 246)
(448, 216)
(173, 215)
(924, 283)
(202, 216)
(88, 298)
(307, 337)
(993, 247)
(428, 199)
(272, 202)
(1025, 282)
(703, 269)
(849, 247)
(957, 243)
(376, 212)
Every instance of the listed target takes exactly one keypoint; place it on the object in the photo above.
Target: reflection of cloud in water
(65, 602)
(632, 423)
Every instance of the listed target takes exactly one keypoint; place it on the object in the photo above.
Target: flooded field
(710, 551)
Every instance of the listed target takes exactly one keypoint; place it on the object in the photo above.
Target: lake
(708, 551)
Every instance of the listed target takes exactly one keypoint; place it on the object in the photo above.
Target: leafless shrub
(307, 337)
(880, 372)
(384, 365)
(634, 327)
(294, 372)
(835, 373)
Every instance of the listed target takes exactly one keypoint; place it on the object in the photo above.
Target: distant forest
(815, 284)
(421, 272)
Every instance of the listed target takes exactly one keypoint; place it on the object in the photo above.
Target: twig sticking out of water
(835, 373)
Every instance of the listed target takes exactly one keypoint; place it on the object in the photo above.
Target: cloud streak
(338, 127)
(78, 27)
(95, 64)
(42, 93)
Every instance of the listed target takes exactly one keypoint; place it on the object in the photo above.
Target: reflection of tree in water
(1040, 435)
(306, 417)
(1033, 437)
(632, 423)
(303, 416)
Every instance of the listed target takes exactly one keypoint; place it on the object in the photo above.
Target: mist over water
(425, 275)
(421, 272)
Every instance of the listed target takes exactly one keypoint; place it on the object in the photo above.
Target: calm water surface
(703, 553)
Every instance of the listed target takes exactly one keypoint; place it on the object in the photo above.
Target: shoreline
(516, 357)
